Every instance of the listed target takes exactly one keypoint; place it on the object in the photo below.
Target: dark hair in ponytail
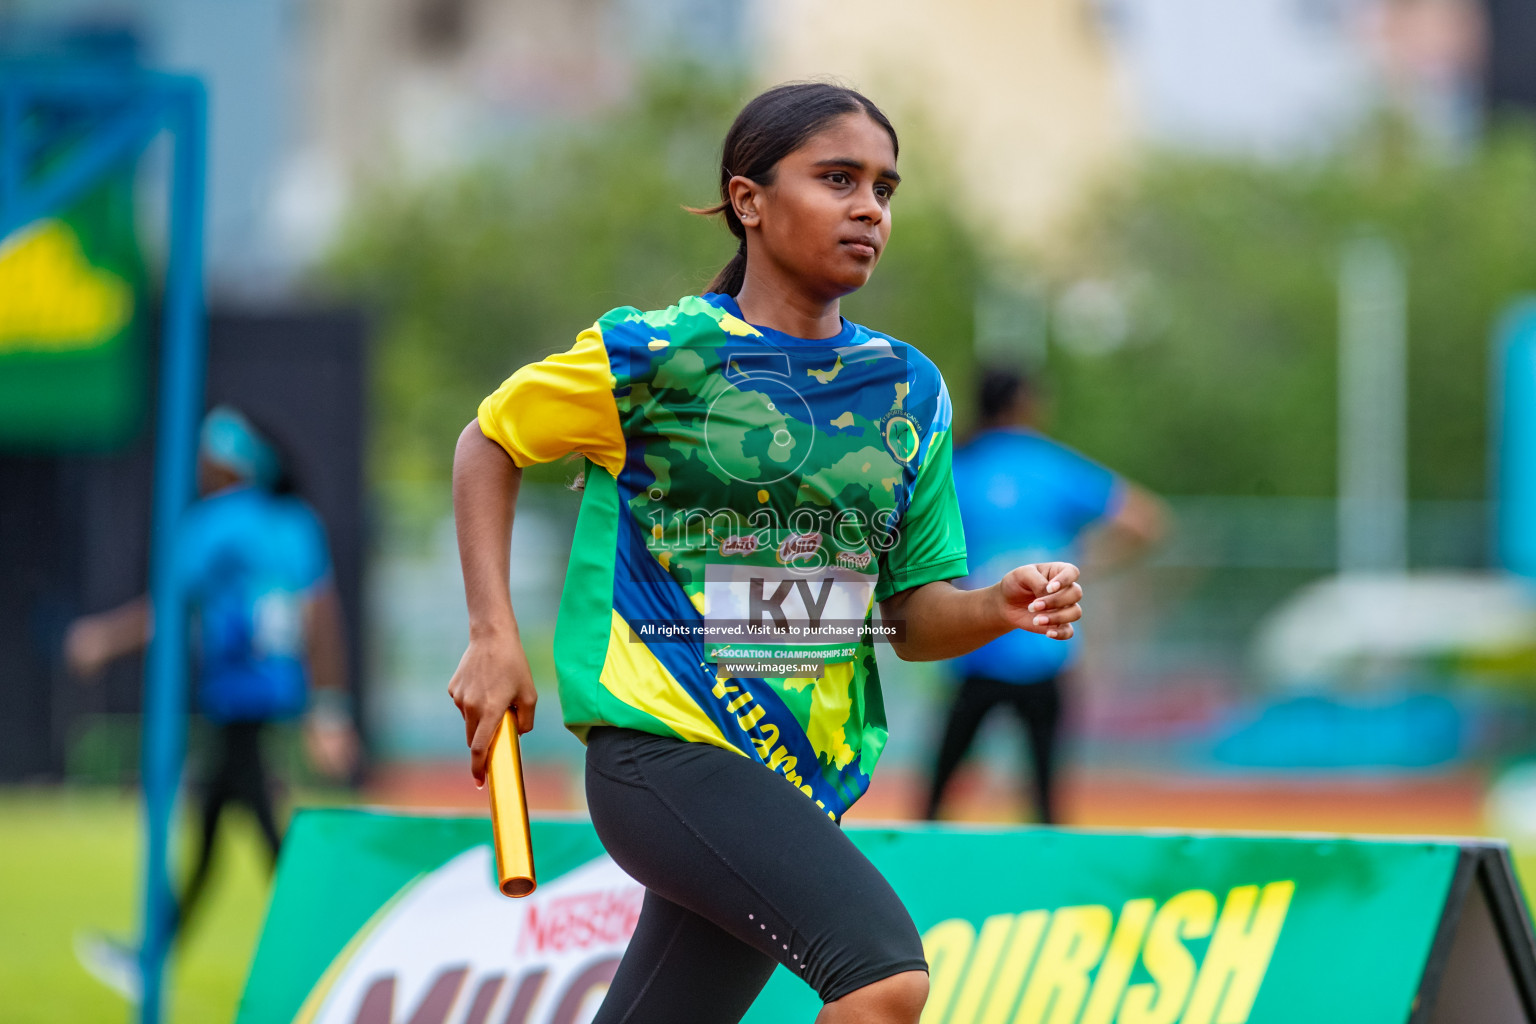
(768, 129)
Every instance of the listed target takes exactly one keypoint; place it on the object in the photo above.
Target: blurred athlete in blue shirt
(1025, 498)
(253, 567)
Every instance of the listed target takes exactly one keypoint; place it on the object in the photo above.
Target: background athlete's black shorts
(742, 871)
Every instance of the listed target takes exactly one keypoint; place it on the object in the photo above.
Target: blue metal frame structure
(62, 127)
(1513, 391)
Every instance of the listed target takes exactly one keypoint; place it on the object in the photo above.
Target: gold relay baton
(509, 812)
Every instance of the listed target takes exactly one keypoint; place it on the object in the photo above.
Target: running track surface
(1448, 803)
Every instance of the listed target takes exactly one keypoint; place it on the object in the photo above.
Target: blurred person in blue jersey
(1026, 498)
(252, 565)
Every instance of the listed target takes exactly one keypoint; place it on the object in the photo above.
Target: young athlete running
(760, 472)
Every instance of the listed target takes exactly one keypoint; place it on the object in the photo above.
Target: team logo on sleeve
(901, 436)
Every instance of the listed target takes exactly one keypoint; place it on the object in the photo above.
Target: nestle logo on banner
(744, 544)
(799, 545)
(452, 950)
(581, 920)
(852, 560)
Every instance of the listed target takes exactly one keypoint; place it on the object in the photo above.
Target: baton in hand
(509, 812)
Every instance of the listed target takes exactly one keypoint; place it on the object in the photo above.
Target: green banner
(378, 919)
(71, 362)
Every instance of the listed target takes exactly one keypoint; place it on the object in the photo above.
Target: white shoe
(112, 962)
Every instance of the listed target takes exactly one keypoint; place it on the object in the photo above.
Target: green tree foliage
(478, 270)
(1225, 383)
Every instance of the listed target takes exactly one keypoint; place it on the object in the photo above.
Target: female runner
(760, 473)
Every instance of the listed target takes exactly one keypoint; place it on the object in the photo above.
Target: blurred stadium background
(1177, 213)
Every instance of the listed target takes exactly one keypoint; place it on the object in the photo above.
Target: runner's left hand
(1042, 598)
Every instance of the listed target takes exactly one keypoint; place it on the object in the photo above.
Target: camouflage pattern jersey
(749, 497)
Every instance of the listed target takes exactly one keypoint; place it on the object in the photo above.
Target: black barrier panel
(1482, 966)
(1509, 81)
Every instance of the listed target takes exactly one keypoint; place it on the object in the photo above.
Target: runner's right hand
(492, 676)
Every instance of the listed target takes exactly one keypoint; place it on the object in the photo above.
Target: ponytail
(733, 275)
(768, 129)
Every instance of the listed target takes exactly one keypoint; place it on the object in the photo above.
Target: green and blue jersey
(749, 497)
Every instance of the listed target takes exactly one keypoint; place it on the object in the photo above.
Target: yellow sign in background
(71, 360)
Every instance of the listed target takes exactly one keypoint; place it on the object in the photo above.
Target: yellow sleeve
(559, 405)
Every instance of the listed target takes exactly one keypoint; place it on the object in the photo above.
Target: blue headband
(229, 439)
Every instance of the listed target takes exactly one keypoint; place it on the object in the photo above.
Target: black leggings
(1038, 706)
(742, 871)
(238, 775)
